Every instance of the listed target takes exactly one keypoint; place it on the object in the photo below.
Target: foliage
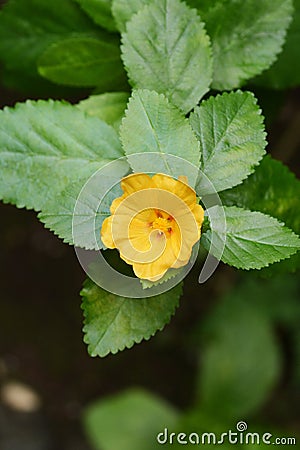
(174, 67)
(232, 384)
(252, 239)
(227, 127)
(286, 70)
(248, 38)
(47, 145)
(100, 12)
(95, 63)
(135, 432)
(174, 52)
(262, 192)
(113, 324)
(108, 107)
(153, 125)
(41, 24)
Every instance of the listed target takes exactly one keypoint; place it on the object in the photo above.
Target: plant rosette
(142, 204)
(156, 174)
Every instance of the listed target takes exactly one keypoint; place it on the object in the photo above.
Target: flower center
(162, 224)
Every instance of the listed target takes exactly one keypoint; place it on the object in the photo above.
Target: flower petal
(140, 230)
(155, 270)
(183, 178)
(136, 182)
(181, 250)
(177, 187)
(198, 212)
(150, 271)
(117, 201)
(149, 208)
(106, 233)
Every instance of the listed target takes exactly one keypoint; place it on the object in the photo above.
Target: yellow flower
(154, 224)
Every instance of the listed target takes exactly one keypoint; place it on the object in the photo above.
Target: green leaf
(47, 145)
(232, 138)
(152, 124)
(123, 10)
(113, 323)
(39, 23)
(272, 189)
(252, 239)
(76, 216)
(165, 48)
(285, 72)
(58, 215)
(171, 273)
(109, 107)
(100, 12)
(232, 384)
(263, 192)
(83, 61)
(246, 37)
(140, 417)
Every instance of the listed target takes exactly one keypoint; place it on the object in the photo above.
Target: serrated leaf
(113, 323)
(272, 189)
(246, 36)
(231, 382)
(109, 107)
(77, 213)
(58, 215)
(152, 124)
(123, 10)
(285, 72)
(231, 133)
(83, 61)
(171, 273)
(47, 145)
(263, 192)
(139, 415)
(40, 23)
(100, 12)
(252, 240)
(165, 48)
